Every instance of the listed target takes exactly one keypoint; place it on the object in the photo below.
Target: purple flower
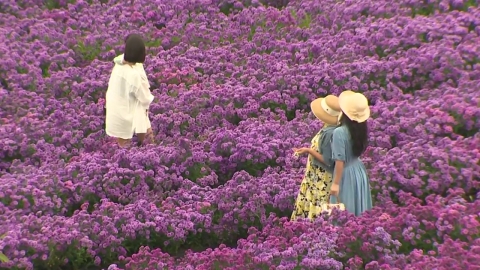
(232, 82)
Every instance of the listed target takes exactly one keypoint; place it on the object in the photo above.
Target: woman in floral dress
(315, 187)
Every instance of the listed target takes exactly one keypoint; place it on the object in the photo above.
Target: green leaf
(3, 258)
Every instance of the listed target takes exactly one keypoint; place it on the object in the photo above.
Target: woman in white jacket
(128, 96)
(143, 124)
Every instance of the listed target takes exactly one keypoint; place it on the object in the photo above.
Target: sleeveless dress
(355, 190)
(315, 187)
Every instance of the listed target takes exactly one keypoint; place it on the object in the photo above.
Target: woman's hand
(302, 151)
(334, 190)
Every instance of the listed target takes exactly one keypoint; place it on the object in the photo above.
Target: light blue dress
(355, 190)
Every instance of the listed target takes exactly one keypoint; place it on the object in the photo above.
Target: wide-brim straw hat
(354, 105)
(326, 109)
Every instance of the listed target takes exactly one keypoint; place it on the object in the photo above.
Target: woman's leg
(150, 136)
(123, 142)
(146, 128)
(141, 138)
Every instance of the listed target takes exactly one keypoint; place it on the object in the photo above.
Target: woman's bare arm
(339, 165)
(316, 155)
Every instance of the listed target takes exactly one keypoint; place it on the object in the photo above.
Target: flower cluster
(387, 237)
(232, 82)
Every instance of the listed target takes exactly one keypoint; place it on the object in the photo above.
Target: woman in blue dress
(350, 180)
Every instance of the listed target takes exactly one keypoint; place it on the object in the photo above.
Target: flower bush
(232, 82)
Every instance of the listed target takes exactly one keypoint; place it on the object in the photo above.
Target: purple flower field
(233, 80)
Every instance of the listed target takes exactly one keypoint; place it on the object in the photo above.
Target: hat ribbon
(329, 110)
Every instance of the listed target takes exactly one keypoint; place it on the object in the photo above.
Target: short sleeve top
(342, 145)
(325, 148)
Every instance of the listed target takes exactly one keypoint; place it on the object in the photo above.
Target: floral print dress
(315, 187)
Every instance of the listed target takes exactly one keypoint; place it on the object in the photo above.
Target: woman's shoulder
(130, 76)
(340, 131)
(129, 73)
(328, 129)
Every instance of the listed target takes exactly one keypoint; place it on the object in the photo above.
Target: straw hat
(354, 105)
(326, 109)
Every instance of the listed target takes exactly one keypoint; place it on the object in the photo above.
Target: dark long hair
(359, 134)
(135, 51)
